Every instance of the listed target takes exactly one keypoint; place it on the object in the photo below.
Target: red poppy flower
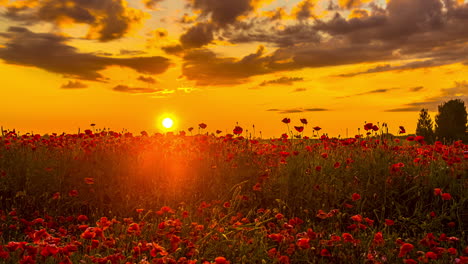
(304, 121)
(389, 222)
(405, 249)
(299, 128)
(368, 126)
(237, 130)
(286, 120)
(218, 131)
(378, 239)
(303, 243)
(446, 196)
(402, 130)
(437, 191)
(73, 193)
(202, 125)
(325, 253)
(324, 155)
(356, 196)
(89, 180)
(220, 260)
(317, 128)
(431, 255)
(190, 129)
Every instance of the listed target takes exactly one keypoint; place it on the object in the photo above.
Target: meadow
(108, 197)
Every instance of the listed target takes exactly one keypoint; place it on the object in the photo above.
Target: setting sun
(167, 122)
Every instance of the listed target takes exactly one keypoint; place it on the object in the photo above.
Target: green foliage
(451, 121)
(424, 126)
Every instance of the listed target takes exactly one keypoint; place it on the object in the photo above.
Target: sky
(127, 64)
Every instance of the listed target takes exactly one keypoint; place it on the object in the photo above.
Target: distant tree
(424, 126)
(451, 121)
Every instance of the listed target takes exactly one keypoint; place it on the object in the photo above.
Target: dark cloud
(299, 90)
(173, 49)
(51, 53)
(348, 4)
(377, 91)
(198, 35)
(148, 79)
(416, 89)
(107, 19)
(297, 110)
(204, 67)
(223, 12)
(458, 91)
(152, 4)
(261, 30)
(74, 85)
(283, 80)
(304, 9)
(126, 52)
(421, 33)
(134, 90)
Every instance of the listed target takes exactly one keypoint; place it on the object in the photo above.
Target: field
(108, 197)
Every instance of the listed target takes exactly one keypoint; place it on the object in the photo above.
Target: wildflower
(202, 126)
(368, 126)
(82, 218)
(356, 196)
(431, 255)
(325, 253)
(324, 155)
(237, 130)
(437, 191)
(389, 222)
(378, 239)
(73, 193)
(446, 196)
(89, 181)
(402, 130)
(304, 121)
(317, 128)
(405, 249)
(220, 260)
(410, 138)
(303, 243)
(299, 128)
(286, 120)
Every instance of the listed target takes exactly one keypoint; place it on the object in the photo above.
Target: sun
(167, 122)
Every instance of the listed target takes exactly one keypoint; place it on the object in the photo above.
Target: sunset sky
(65, 64)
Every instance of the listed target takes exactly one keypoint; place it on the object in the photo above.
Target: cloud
(348, 4)
(51, 53)
(223, 12)
(421, 33)
(458, 91)
(204, 67)
(304, 10)
(416, 89)
(283, 80)
(198, 35)
(299, 90)
(297, 110)
(126, 52)
(107, 19)
(376, 91)
(74, 85)
(134, 90)
(152, 4)
(148, 79)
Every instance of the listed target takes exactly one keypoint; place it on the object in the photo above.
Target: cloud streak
(51, 53)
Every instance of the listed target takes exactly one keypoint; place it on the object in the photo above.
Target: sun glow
(167, 122)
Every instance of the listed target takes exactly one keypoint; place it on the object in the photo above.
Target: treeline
(450, 123)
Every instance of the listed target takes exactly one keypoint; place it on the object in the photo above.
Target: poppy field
(107, 197)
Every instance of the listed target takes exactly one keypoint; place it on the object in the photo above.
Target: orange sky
(65, 64)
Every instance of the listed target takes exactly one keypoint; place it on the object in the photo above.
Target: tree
(424, 126)
(450, 123)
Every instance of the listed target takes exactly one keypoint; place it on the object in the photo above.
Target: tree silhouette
(424, 126)
(450, 123)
